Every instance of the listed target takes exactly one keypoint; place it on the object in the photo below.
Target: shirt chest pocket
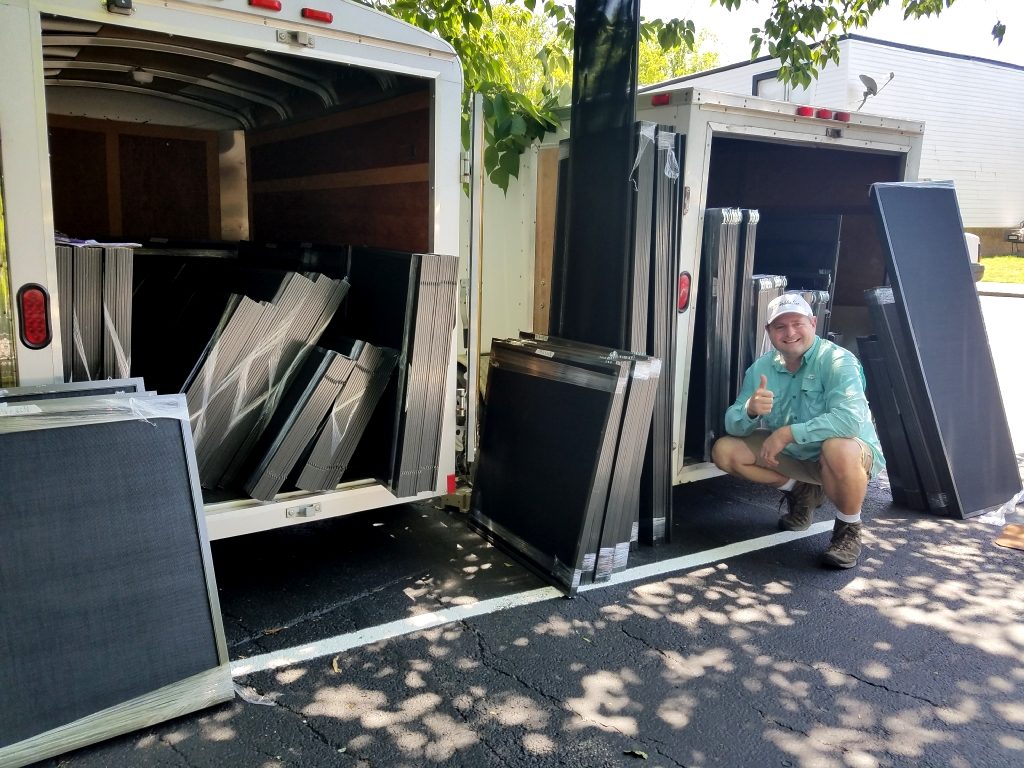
(812, 398)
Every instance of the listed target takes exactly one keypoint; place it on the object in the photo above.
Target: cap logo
(789, 302)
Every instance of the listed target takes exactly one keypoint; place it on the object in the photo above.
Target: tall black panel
(904, 482)
(595, 303)
(908, 389)
(926, 256)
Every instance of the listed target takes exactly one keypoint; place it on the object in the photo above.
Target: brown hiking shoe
(802, 501)
(845, 547)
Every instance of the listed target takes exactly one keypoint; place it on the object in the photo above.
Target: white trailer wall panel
(971, 109)
(506, 278)
(973, 115)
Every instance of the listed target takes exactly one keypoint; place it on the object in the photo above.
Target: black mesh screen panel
(935, 294)
(103, 590)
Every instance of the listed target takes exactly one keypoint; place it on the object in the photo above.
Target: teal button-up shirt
(824, 398)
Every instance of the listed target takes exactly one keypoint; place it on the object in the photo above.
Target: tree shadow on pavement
(913, 658)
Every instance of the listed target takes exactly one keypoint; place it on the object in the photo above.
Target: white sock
(848, 518)
(788, 485)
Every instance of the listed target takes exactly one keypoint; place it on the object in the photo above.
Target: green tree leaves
(518, 54)
(804, 34)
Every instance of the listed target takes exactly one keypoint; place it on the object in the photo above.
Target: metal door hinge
(467, 167)
(124, 7)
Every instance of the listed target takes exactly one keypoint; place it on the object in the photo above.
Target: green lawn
(1003, 269)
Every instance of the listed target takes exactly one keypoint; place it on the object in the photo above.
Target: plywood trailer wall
(131, 181)
(358, 177)
(790, 179)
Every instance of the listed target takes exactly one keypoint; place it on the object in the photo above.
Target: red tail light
(824, 114)
(451, 484)
(684, 292)
(314, 15)
(34, 316)
(842, 117)
(805, 111)
(660, 99)
(267, 5)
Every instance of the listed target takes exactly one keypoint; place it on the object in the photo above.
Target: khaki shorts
(804, 470)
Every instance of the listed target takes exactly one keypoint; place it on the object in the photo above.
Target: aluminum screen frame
(87, 698)
(560, 455)
(72, 389)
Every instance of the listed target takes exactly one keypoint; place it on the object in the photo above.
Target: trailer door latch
(306, 510)
(293, 37)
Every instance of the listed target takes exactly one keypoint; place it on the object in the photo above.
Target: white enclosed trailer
(748, 152)
(745, 152)
(356, 114)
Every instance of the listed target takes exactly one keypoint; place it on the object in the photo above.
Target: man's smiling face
(792, 334)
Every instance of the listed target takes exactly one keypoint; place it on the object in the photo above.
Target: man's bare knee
(726, 453)
(841, 456)
(720, 454)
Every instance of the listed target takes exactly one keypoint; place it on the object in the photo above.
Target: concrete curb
(1001, 289)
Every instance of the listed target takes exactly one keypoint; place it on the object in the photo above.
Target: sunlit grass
(1003, 269)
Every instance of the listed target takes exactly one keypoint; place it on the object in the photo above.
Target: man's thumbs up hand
(760, 403)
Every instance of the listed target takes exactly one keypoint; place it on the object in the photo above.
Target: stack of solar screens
(819, 302)
(320, 419)
(894, 394)
(719, 265)
(436, 300)
(561, 454)
(116, 582)
(181, 293)
(339, 435)
(642, 217)
(661, 314)
(558, 245)
(765, 289)
(895, 417)
(241, 377)
(742, 352)
(636, 288)
(406, 302)
(95, 299)
(727, 308)
(933, 341)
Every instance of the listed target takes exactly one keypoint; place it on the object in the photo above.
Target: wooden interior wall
(132, 181)
(779, 177)
(78, 171)
(359, 177)
(547, 197)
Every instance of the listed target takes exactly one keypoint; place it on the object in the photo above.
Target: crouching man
(801, 424)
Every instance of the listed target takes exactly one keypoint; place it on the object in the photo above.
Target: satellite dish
(871, 88)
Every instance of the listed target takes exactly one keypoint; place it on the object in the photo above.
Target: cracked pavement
(913, 658)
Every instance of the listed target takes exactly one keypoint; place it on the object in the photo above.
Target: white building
(972, 109)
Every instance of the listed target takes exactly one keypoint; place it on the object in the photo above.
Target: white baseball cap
(787, 303)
